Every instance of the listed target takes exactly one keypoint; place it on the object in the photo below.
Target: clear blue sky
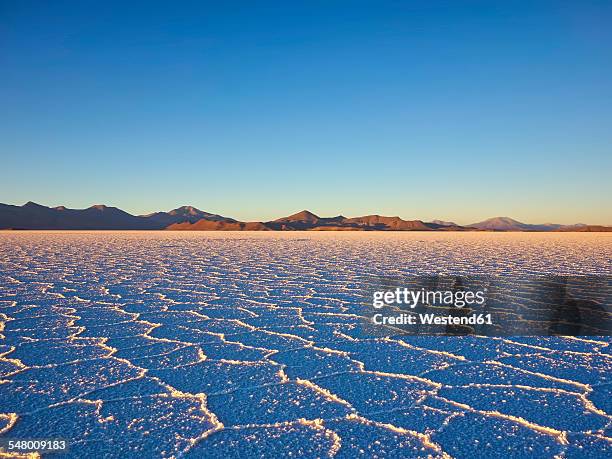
(423, 109)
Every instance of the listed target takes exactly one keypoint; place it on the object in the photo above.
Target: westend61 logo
(412, 298)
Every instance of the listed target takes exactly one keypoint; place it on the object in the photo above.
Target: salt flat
(251, 344)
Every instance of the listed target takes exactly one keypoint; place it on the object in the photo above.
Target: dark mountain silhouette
(35, 216)
(32, 216)
(184, 214)
(96, 217)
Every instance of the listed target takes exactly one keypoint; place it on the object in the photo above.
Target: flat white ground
(247, 344)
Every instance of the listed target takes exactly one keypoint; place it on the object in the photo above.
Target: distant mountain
(184, 214)
(500, 224)
(207, 225)
(33, 216)
(388, 223)
(582, 228)
(509, 224)
(304, 220)
(99, 217)
(36, 216)
(443, 223)
(304, 216)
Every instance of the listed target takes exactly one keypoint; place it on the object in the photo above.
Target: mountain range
(509, 224)
(33, 216)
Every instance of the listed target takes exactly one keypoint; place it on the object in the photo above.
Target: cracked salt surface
(251, 344)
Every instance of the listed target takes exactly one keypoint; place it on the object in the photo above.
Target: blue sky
(452, 110)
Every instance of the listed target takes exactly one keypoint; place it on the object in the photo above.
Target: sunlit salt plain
(250, 344)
